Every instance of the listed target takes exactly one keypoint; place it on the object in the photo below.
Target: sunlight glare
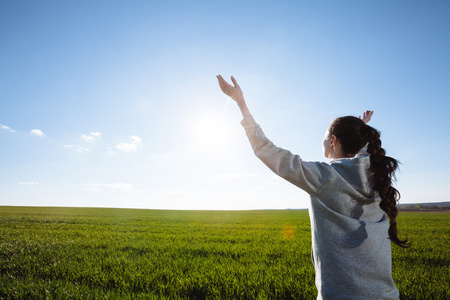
(210, 132)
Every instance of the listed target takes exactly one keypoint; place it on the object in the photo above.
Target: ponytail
(354, 134)
(383, 168)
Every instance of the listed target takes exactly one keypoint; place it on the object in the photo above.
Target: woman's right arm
(235, 93)
(309, 176)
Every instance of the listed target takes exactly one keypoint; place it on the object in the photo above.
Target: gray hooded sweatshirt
(350, 245)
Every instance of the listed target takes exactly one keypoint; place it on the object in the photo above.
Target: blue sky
(116, 104)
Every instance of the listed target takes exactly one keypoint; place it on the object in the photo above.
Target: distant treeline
(426, 206)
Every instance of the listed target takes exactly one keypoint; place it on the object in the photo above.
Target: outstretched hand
(234, 92)
(366, 116)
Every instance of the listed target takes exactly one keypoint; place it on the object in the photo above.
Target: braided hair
(353, 134)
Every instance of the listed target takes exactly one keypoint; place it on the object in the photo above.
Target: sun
(210, 131)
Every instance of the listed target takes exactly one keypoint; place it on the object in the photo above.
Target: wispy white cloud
(126, 147)
(7, 128)
(119, 186)
(37, 132)
(130, 147)
(78, 149)
(87, 138)
(82, 150)
(134, 144)
(92, 137)
(135, 138)
(29, 183)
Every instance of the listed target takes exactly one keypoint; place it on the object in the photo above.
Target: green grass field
(93, 253)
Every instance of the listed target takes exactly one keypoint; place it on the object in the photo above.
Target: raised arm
(309, 176)
(366, 116)
(235, 93)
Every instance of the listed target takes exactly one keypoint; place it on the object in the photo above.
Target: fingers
(234, 81)
(220, 78)
(367, 113)
(222, 81)
(234, 92)
(225, 86)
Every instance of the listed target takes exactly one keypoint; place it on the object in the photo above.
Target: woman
(353, 204)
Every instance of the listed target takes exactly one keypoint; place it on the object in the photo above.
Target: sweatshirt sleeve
(309, 176)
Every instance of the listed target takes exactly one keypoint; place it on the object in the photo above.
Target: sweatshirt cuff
(248, 121)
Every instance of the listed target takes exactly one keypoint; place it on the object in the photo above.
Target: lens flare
(288, 232)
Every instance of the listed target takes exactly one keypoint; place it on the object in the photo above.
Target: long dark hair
(353, 134)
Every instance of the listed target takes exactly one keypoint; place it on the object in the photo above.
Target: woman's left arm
(367, 115)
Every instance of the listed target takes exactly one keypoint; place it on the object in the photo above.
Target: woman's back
(351, 249)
